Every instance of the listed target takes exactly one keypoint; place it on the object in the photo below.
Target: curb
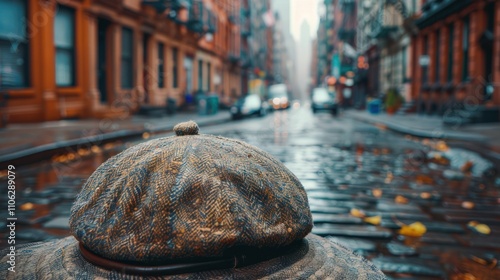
(479, 145)
(417, 132)
(44, 152)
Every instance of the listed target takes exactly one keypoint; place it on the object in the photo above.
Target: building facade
(280, 54)
(336, 47)
(105, 58)
(257, 46)
(459, 45)
(288, 48)
(385, 30)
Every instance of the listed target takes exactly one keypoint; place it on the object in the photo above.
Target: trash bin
(201, 101)
(212, 105)
(374, 106)
(171, 106)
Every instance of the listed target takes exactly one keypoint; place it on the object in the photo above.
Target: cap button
(186, 128)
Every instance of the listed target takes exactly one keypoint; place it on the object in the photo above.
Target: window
(161, 66)
(403, 56)
(200, 74)
(127, 58)
(437, 61)
(465, 49)
(451, 37)
(208, 76)
(13, 45)
(64, 41)
(175, 70)
(425, 74)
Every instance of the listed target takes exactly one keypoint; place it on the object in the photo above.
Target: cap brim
(318, 258)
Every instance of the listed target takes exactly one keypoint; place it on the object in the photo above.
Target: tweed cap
(190, 197)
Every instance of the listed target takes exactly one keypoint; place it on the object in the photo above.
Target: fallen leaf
(401, 199)
(109, 146)
(425, 195)
(441, 146)
(479, 260)
(480, 228)
(416, 229)
(438, 158)
(463, 276)
(424, 179)
(377, 192)
(357, 213)
(375, 220)
(26, 206)
(468, 205)
(467, 167)
(493, 263)
(389, 178)
(472, 224)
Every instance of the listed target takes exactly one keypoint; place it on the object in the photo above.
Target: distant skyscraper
(284, 10)
(283, 7)
(304, 60)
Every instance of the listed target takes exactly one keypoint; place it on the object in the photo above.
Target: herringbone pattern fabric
(317, 259)
(189, 196)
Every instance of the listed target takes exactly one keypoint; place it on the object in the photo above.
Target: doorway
(188, 68)
(103, 59)
(146, 72)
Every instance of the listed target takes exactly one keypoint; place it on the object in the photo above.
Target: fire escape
(200, 19)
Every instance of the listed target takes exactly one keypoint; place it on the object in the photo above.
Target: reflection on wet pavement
(364, 184)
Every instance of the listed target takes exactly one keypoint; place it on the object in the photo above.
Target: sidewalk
(24, 143)
(484, 138)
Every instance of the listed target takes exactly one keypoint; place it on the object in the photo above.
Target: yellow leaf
(377, 192)
(401, 199)
(441, 146)
(375, 220)
(416, 229)
(482, 228)
(357, 213)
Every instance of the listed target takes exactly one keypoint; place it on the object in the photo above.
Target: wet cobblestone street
(364, 184)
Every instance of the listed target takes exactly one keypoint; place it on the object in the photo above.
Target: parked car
(250, 105)
(323, 100)
(278, 97)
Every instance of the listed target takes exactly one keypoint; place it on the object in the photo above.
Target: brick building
(461, 40)
(257, 45)
(384, 33)
(106, 58)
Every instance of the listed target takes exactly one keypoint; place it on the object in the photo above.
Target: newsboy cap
(191, 206)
